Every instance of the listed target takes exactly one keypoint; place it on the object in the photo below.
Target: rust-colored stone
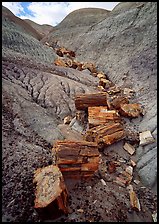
(101, 115)
(130, 110)
(83, 101)
(76, 159)
(50, 187)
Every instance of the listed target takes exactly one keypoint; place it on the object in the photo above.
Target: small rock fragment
(129, 148)
(146, 138)
(130, 110)
(129, 170)
(133, 163)
(154, 216)
(103, 182)
(67, 120)
(134, 201)
(121, 160)
(136, 181)
(80, 210)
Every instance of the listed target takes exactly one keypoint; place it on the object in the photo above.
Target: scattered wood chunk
(111, 166)
(60, 62)
(129, 170)
(126, 176)
(106, 134)
(128, 92)
(76, 159)
(113, 90)
(133, 163)
(105, 83)
(50, 187)
(129, 148)
(100, 115)
(101, 75)
(61, 51)
(130, 110)
(134, 201)
(83, 101)
(110, 139)
(117, 102)
(67, 120)
(90, 66)
(146, 138)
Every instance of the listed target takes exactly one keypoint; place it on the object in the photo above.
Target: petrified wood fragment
(146, 138)
(83, 101)
(76, 159)
(134, 201)
(90, 66)
(116, 102)
(130, 110)
(60, 62)
(105, 134)
(50, 187)
(101, 115)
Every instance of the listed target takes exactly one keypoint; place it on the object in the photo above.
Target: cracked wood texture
(83, 101)
(105, 134)
(76, 159)
(101, 115)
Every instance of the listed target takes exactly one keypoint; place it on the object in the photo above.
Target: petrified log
(50, 187)
(115, 102)
(76, 159)
(90, 66)
(130, 110)
(83, 101)
(101, 115)
(105, 134)
(60, 62)
(105, 83)
(61, 51)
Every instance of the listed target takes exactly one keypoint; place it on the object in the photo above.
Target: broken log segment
(50, 187)
(101, 115)
(83, 101)
(105, 134)
(115, 102)
(76, 159)
(130, 110)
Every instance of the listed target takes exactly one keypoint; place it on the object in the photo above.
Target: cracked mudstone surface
(36, 96)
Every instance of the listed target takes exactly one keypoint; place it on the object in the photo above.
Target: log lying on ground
(105, 134)
(116, 102)
(83, 101)
(50, 188)
(90, 66)
(101, 115)
(130, 110)
(76, 159)
(61, 51)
